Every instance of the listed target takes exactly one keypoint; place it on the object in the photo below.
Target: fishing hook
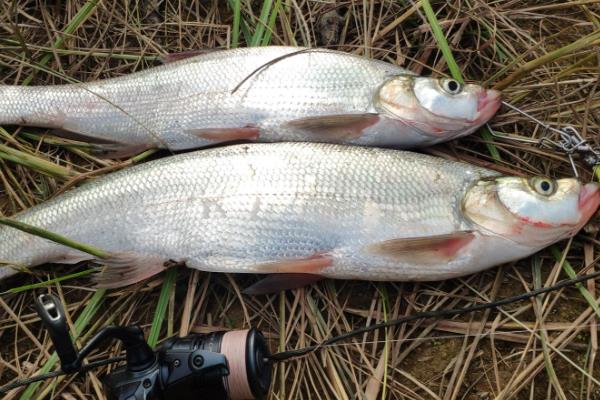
(570, 140)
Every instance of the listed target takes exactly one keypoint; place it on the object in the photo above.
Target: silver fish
(267, 94)
(331, 210)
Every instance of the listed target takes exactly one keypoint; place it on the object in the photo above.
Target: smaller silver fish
(268, 94)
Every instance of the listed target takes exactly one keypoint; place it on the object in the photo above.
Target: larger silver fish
(336, 211)
(265, 93)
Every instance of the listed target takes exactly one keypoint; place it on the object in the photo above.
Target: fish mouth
(589, 200)
(488, 102)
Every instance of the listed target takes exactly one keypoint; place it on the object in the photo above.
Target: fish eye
(543, 186)
(451, 86)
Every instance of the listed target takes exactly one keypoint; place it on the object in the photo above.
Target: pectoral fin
(336, 127)
(426, 250)
(226, 134)
(127, 268)
(277, 282)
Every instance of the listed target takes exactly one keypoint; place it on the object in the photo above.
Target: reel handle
(53, 316)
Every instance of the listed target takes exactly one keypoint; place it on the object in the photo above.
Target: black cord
(286, 355)
(23, 382)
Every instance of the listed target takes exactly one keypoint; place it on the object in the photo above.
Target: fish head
(535, 211)
(443, 108)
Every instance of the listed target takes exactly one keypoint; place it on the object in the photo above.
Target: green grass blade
(161, 308)
(242, 25)
(558, 256)
(73, 25)
(43, 166)
(586, 41)
(80, 324)
(142, 156)
(235, 31)
(441, 41)
(453, 67)
(261, 24)
(25, 288)
(271, 26)
(33, 230)
(537, 273)
(487, 136)
(16, 46)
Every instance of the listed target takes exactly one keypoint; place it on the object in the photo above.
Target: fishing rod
(221, 365)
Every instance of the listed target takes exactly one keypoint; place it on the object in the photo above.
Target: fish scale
(232, 209)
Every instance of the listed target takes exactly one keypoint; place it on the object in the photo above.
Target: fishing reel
(221, 365)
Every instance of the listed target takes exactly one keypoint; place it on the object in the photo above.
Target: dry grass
(535, 350)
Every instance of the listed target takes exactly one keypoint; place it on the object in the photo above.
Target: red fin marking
(452, 246)
(441, 248)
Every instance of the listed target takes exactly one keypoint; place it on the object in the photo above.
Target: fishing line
(268, 64)
(275, 61)
(286, 355)
(495, 333)
(569, 143)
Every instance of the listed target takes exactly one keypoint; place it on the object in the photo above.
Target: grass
(544, 57)
(454, 69)
(161, 307)
(33, 230)
(81, 16)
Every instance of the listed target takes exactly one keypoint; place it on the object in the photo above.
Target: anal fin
(278, 282)
(127, 268)
(118, 150)
(307, 265)
(226, 134)
(78, 137)
(336, 127)
(424, 250)
(72, 257)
